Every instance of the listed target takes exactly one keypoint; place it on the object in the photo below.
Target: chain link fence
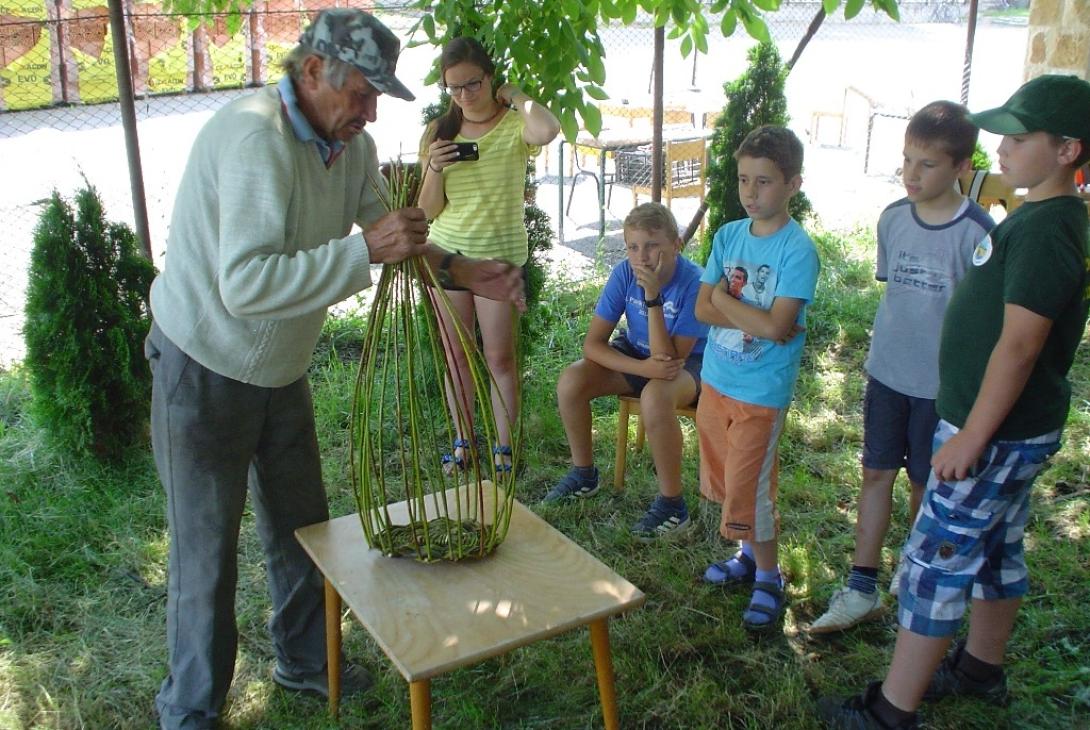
(60, 121)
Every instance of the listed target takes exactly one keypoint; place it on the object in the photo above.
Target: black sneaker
(854, 713)
(661, 520)
(950, 681)
(573, 486)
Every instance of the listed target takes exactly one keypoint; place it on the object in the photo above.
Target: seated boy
(925, 246)
(752, 361)
(1008, 340)
(658, 358)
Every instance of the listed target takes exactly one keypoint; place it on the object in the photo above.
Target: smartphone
(467, 151)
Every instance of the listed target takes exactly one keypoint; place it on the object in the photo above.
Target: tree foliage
(551, 48)
(756, 97)
(87, 315)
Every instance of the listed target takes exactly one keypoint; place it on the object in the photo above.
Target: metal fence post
(128, 121)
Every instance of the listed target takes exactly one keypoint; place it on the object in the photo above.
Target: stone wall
(1059, 38)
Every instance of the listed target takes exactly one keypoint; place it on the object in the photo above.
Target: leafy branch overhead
(552, 48)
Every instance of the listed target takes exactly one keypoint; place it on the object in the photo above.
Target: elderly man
(259, 247)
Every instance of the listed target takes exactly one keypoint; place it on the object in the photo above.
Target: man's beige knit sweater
(259, 244)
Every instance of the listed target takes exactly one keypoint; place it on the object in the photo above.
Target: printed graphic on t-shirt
(920, 271)
(670, 312)
(753, 284)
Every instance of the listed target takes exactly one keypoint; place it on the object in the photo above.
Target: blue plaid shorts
(967, 538)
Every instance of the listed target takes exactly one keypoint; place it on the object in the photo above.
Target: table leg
(603, 666)
(420, 704)
(333, 646)
(560, 185)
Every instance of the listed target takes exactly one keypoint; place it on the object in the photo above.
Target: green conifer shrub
(87, 315)
(756, 97)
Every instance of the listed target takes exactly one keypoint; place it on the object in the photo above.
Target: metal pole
(128, 122)
(656, 133)
(970, 39)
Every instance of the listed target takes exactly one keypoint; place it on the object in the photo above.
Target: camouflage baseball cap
(360, 39)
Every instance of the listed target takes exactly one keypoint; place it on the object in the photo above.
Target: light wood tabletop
(432, 618)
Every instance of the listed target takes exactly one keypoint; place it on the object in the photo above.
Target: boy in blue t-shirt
(658, 357)
(1008, 341)
(925, 247)
(752, 361)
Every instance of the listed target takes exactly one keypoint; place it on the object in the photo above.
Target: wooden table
(613, 140)
(433, 618)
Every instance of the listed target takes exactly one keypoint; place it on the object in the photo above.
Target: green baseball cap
(1051, 103)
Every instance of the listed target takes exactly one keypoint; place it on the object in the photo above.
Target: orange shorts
(738, 463)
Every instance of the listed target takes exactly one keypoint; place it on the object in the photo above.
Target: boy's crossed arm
(715, 306)
(1009, 366)
(660, 366)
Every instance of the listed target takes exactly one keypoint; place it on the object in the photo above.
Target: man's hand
(397, 236)
(662, 367)
(491, 279)
(648, 277)
(957, 456)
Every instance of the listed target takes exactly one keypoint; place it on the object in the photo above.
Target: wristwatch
(442, 275)
(656, 302)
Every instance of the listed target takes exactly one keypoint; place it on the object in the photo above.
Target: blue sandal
(719, 574)
(452, 462)
(503, 467)
(773, 614)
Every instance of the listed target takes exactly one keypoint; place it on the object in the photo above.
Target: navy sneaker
(661, 520)
(573, 486)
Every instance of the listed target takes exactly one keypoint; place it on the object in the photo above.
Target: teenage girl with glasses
(476, 209)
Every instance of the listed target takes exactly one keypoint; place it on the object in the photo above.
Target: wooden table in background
(430, 619)
(609, 141)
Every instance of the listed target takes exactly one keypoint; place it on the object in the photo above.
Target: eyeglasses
(471, 86)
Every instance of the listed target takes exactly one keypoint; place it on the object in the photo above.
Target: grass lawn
(83, 554)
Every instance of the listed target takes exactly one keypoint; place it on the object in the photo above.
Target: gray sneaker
(354, 680)
(661, 521)
(573, 486)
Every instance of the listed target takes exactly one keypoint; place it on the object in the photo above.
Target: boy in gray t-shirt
(925, 246)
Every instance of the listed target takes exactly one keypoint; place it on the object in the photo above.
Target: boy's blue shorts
(692, 365)
(897, 431)
(968, 536)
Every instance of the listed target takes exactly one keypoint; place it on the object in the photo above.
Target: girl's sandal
(502, 459)
(454, 461)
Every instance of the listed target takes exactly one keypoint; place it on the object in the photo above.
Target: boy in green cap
(1008, 340)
